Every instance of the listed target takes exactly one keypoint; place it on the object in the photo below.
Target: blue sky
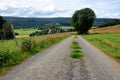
(58, 8)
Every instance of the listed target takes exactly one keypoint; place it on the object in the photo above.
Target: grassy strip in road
(10, 55)
(76, 52)
(109, 43)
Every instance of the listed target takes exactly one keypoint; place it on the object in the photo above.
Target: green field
(109, 43)
(25, 32)
(66, 27)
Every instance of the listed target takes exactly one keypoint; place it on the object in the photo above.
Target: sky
(58, 8)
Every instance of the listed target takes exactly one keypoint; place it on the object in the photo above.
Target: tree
(1, 22)
(83, 20)
(1, 25)
(5, 29)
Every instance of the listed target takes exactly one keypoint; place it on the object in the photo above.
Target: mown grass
(11, 55)
(76, 52)
(109, 43)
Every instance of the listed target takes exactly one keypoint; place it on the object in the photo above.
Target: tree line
(20, 22)
(111, 23)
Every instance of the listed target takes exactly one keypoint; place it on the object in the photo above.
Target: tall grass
(10, 55)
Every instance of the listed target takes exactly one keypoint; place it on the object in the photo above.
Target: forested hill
(33, 22)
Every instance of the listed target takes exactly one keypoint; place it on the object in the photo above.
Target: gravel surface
(51, 64)
(100, 65)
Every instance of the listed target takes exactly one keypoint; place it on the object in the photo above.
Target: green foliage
(111, 23)
(1, 22)
(109, 43)
(26, 45)
(10, 58)
(83, 20)
(7, 31)
(1, 26)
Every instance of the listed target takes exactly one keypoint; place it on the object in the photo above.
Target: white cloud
(49, 8)
(112, 15)
(58, 8)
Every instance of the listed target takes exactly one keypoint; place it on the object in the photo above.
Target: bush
(26, 45)
(10, 57)
(16, 33)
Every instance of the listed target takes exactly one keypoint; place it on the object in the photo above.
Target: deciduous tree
(83, 20)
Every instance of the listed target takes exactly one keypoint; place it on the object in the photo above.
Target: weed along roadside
(76, 50)
(10, 57)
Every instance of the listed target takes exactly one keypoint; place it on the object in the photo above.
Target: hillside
(33, 22)
(110, 29)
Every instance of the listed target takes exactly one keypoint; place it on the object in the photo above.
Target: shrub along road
(102, 66)
(54, 63)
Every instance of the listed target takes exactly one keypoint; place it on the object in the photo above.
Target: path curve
(100, 65)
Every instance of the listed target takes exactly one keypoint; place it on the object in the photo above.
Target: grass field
(109, 43)
(25, 32)
(109, 29)
(66, 27)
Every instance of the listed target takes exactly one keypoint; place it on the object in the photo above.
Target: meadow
(24, 32)
(11, 55)
(109, 29)
(66, 27)
(109, 43)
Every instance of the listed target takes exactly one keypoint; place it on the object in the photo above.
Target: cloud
(111, 15)
(12, 10)
(58, 8)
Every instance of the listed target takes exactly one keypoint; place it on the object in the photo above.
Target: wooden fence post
(14, 36)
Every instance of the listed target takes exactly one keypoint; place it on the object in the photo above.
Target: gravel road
(100, 65)
(53, 63)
